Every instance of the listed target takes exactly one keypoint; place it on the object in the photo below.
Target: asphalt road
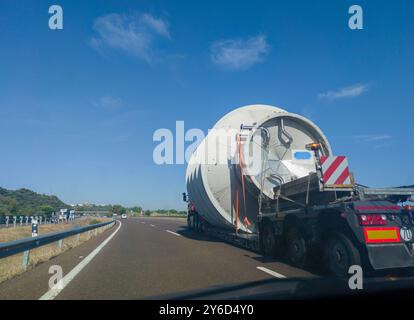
(148, 257)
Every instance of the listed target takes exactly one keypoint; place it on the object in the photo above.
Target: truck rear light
(373, 219)
(408, 208)
(381, 235)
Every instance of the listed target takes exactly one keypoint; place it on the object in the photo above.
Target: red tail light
(373, 219)
(408, 208)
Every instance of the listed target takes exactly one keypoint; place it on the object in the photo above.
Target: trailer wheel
(268, 241)
(196, 222)
(190, 221)
(340, 253)
(201, 226)
(297, 250)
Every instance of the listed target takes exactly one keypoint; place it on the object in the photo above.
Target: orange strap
(242, 178)
(237, 211)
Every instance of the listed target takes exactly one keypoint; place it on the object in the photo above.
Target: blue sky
(79, 106)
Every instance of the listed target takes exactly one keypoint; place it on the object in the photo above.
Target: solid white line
(57, 288)
(174, 233)
(272, 273)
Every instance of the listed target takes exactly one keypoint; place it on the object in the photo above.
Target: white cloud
(376, 140)
(372, 137)
(157, 25)
(239, 54)
(109, 102)
(346, 92)
(134, 33)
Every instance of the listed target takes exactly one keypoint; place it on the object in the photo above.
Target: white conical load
(269, 143)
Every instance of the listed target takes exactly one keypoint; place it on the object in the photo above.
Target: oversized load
(248, 153)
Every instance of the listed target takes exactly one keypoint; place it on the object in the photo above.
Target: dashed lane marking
(174, 233)
(272, 273)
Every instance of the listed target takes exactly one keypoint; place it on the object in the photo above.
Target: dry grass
(10, 234)
(13, 265)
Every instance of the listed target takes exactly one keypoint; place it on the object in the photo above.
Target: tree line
(24, 202)
(118, 209)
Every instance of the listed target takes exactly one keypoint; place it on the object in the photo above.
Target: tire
(340, 253)
(190, 221)
(268, 241)
(201, 226)
(296, 248)
(196, 223)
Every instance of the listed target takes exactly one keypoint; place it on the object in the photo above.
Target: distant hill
(27, 202)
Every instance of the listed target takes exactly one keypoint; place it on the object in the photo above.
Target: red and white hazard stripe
(335, 170)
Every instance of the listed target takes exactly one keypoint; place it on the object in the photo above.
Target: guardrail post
(14, 221)
(27, 220)
(26, 256)
(7, 221)
(35, 228)
(21, 220)
(60, 244)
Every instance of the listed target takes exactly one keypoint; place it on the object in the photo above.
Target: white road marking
(57, 288)
(272, 273)
(174, 233)
(152, 225)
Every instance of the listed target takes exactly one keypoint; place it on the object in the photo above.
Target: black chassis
(318, 223)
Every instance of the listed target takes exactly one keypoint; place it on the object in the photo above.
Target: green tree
(136, 209)
(46, 210)
(118, 209)
(26, 202)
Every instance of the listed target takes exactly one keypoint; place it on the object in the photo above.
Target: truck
(302, 201)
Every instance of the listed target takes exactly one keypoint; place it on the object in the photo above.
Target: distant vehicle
(124, 216)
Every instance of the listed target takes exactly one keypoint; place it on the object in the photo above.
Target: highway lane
(179, 226)
(145, 260)
(152, 257)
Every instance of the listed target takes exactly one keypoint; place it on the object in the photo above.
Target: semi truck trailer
(267, 180)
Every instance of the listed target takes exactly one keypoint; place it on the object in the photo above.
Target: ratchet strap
(245, 220)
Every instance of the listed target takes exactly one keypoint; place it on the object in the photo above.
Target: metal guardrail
(26, 244)
(16, 221)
